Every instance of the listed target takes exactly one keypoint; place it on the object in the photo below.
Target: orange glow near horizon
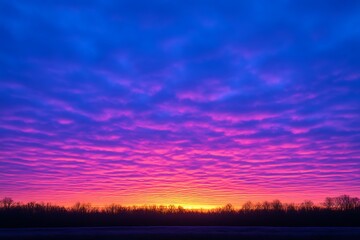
(186, 201)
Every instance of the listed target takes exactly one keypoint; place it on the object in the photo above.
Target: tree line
(336, 211)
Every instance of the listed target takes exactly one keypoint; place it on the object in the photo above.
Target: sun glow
(198, 206)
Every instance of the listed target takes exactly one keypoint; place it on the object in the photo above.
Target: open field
(162, 233)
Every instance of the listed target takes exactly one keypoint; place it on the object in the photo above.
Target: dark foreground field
(183, 233)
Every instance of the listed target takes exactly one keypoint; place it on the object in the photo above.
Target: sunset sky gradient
(198, 103)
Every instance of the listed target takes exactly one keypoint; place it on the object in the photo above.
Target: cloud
(193, 103)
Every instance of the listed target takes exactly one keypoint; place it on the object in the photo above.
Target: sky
(199, 103)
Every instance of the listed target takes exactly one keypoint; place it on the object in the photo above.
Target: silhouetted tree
(113, 209)
(290, 207)
(247, 206)
(82, 207)
(329, 203)
(258, 206)
(345, 202)
(171, 209)
(181, 209)
(266, 206)
(276, 205)
(307, 205)
(356, 203)
(228, 208)
(6, 202)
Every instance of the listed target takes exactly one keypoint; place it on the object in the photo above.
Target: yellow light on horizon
(185, 206)
(198, 206)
